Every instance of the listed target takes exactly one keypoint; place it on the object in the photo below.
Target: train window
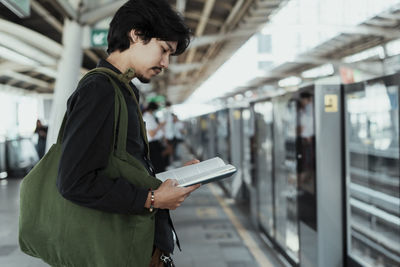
(372, 171)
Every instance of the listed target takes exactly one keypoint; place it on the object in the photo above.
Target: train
(318, 169)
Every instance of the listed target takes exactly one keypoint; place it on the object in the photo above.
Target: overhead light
(248, 94)
(238, 97)
(321, 71)
(393, 48)
(372, 52)
(289, 81)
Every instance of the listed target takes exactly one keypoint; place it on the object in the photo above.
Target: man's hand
(170, 196)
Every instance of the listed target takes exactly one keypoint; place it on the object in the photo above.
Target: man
(143, 35)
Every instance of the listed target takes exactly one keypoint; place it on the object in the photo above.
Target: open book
(204, 172)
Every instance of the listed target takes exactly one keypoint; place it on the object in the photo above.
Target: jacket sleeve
(86, 147)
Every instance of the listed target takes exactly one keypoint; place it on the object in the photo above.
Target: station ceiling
(32, 46)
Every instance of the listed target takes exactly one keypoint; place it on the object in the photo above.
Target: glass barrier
(264, 165)
(285, 186)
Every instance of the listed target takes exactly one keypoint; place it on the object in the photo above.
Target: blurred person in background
(179, 132)
(168, 134)
(41, 132)
(155, 136)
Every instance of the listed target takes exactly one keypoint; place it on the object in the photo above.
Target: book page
(191, 170)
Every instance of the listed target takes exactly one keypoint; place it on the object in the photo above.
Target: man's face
(151, 58)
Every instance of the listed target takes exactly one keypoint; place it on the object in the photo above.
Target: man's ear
(133, 36)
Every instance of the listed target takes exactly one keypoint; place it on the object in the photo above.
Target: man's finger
(174, 182)
(191, 188)
(193, 161)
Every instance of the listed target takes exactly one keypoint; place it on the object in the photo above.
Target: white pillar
(67, 76)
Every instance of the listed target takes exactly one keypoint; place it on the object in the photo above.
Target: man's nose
(165, 61)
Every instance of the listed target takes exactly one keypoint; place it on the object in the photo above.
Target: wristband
(151, 201)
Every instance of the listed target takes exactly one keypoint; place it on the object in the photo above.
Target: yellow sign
(203, 124)
(331, 103)
(237, 114)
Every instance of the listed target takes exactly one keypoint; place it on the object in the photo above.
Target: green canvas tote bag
(68, 235)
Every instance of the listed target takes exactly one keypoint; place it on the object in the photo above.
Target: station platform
(213, 230)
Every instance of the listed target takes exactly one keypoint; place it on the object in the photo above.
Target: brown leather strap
(156, 259)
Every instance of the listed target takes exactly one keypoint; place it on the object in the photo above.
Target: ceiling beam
(46, 15)
(220, 4)
(66, 8)
(211, 39)
(197, 16)
(58, 26)
(269, 3)
(208, 7)
(20, 47)
(95, 15)
(31, 37)
(229, 23)
(181, 6)
(177, 68)
(391, 16)
(17, 67)
(15, 90)
(359, 29)
(25, 78)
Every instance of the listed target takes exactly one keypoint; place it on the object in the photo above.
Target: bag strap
(121, 111)
(125, 78)
(120, 116)
(64, 121)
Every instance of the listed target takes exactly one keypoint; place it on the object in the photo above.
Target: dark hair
(150, 19)
(305, 95)
(152, 106)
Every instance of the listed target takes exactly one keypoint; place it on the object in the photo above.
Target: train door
(285, 174)
(263, 161)
(3, 167)
(212, 127)
(249, 187)
(223, 149)
(306, 175)
(372, 172)
(234, 184)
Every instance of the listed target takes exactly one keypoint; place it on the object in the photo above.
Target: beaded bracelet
(151, 201)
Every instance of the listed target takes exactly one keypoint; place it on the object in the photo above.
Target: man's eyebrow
(170, 48)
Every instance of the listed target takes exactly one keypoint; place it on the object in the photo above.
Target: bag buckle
(165, 259)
